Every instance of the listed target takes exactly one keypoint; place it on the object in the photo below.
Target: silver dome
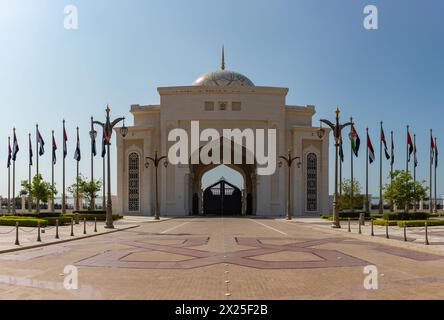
(223, 78)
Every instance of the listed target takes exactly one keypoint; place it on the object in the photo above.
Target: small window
(222, 106)
(209, 106)
(236, 106)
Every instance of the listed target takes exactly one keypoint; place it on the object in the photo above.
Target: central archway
(222, 198)
(248, 190)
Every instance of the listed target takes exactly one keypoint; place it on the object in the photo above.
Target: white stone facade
(222, 100)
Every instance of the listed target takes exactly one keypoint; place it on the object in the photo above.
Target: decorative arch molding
(311, 179)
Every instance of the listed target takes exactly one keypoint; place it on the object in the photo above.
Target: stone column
(421, 205)
(23, 197)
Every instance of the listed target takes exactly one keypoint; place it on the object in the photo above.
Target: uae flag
(9, 154)
(54, 149)
(392, 156)
(77, 154)
(41, 143)
(355, 141)
(371, 151)
(436, 156)
(65, 140)
(15, 148)
(104, 143)
(387, 156)
(432, 149)
(31, 154)
(410, 145)
(341, 150)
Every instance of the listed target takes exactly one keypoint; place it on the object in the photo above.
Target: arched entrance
(222, 198)
(248, 189)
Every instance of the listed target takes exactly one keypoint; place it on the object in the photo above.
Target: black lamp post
(108, 127)
(289, 161)
(337, 129)
(156, 162)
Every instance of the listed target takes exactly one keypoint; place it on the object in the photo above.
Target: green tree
(345, 198)
(402, 190)
(87, 189)
(39, 190)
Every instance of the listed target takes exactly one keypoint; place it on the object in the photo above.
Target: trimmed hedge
(391, 223)
(90, 217)
(23, 221)
(421, 223)
(40, 215)
(90, 212)
(409, 223)
(405, 216)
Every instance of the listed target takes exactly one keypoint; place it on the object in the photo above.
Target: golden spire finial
(222, 66)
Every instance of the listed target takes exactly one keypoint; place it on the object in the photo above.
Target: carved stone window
(133, 182)
(312, 182)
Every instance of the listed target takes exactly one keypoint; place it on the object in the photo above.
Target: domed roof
(223, 78)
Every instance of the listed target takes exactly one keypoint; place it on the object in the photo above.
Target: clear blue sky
(123, 50)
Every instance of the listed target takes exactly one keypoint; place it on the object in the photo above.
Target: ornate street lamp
(156, 162)
(289, 161)
(337, 129)
(108, 127)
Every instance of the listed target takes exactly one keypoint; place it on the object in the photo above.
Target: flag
(9, 154)
(432, 149)
(31, 154)
(65, 139)
(415, 158)
(410, 145)
(392, 156)
(104, 141)
(341, 150)
(93, 147)
(371, 152)
(77, 154)
(436, 156)
(15, 148)
(387, 156)
(40, 143)
(54, 149)
(355, 141)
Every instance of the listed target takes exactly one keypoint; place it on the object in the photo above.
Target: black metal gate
(222, 198)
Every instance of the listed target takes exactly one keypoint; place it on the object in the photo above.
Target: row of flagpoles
(411, 150)
(40, 148)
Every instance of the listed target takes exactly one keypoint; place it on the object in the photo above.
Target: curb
(66, 240)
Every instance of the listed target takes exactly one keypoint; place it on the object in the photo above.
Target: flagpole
(430, 177)
(435, 207)
(381, 203)
(407, 169)
(37, 147)
(77, 183)
(29, 175)
(52, 175)
(391, 168)
(103, 185)
(351, 172)
(93, 135)
(63, 173)
(367, 209)
(9, 177)
(414, 171)
(13, 178)
(340, 180)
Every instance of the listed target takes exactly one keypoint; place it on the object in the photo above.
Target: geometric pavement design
(325, 258)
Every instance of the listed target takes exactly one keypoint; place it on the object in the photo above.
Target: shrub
(405, 216)
(391, 223)
(349, 214)
(90, 212)
(420, 223)
(22, 221)
(90, 217)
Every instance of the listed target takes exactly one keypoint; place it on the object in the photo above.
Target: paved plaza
(227, 258)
